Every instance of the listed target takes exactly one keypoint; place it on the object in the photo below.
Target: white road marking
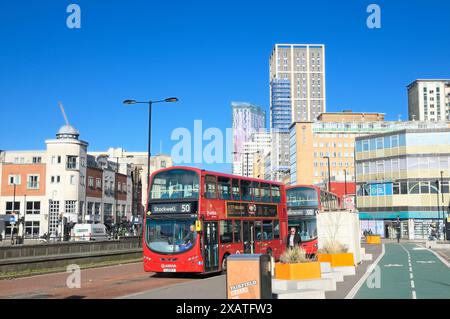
(363, 279)
(411, 275)
(393, 265)
(426, 262)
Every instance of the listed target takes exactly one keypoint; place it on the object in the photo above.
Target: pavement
(103, 282)
(215, 287)
(408, 271)
(343, 288)
(209, 288)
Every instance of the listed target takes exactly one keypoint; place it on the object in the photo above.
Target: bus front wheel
(224, 263)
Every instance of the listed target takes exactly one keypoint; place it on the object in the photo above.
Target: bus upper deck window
(276, 193)
(246, 190)
(210, 186)
(236, 190)
(224, 187)
(265, 192)
(256, 192)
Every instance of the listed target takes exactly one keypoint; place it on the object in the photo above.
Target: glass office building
(403, 182)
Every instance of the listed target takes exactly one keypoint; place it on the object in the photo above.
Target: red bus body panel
(215, 210)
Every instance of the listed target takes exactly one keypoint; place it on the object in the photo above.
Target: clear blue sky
(207, 53)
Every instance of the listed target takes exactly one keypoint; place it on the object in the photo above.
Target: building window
(56, 160)
(394, 141)
(91, 182)
(53, 217)
(14, 180)
(72, 179)
(37, 160)
(33, 208)
(32, 228)
(33, 182)
(163, 164)
(99, 183)
(55, 179)
(379, 142)
(71, 206)
(72, 162)
(365, 145)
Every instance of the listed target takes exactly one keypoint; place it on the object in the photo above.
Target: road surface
(408, 271)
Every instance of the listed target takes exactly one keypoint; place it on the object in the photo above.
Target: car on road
(87, 232)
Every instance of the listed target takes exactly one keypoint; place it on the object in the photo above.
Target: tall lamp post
(345, 182)
(150, 103)
(329, 173)
(444, 229)
(438, 208)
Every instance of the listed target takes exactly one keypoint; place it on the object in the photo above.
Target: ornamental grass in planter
(295, 265)
(336, 254)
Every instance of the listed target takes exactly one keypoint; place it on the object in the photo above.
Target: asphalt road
(408, 271)
(105, 282)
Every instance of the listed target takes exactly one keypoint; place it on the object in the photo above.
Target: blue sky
(207, 53)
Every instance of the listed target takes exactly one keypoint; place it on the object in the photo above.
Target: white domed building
(66, 166)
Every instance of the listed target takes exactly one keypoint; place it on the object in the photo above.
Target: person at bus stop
(293, 238)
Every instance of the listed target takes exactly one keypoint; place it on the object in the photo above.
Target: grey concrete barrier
(64, 248)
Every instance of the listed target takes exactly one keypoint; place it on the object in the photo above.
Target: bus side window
(276, 229)
(224, 188)
(258, 233)
(256, 191)
(246, 190)
(210, 186)
(267, 229)
(237, 231)
(275, 193)
(236, 190)
(265, 192)
(226, 231)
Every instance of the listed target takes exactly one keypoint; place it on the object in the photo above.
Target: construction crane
(63, 113)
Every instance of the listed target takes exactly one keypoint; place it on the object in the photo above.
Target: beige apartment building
(297, 83)
(333, 136)
(429, 100)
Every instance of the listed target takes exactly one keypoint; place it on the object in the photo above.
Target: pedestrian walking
(293, 238)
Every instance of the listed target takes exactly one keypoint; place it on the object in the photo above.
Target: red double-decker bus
(304, 202)
(196, 218)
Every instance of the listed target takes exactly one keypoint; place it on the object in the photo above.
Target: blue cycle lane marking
(408, 271)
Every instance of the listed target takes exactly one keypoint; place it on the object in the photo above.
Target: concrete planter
(337, 260)
(373, 239)
(298, 271)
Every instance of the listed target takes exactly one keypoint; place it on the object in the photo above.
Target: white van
(86, 232)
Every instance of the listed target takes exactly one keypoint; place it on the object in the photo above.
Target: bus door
(211, 245)
(248, 232)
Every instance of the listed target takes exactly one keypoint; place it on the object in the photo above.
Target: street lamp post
(345, 181)
(329, 173)
(438, 208)
(444, 229)
(150, 103)
(15, 214)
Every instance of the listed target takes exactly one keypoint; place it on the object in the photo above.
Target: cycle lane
(391, 278)
(431, 275)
